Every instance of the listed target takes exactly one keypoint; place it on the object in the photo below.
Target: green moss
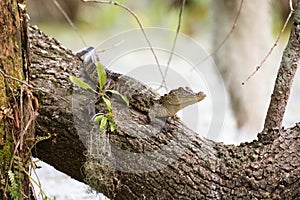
(3, 97)
(12, 67)
(5, 155)
(6, 151)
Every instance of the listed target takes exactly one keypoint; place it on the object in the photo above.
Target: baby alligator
(141, 96)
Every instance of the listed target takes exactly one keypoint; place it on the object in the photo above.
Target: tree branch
(285, 76)
(51, 65)
(173, 163)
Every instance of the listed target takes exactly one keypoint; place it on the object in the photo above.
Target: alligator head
(179, 98)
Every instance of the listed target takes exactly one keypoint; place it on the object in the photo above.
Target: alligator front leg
(157, 115)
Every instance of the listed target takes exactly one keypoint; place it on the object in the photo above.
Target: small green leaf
(113, 91)
(80, 83)
(112, 126)
(101, 74)
(125, 99)
(110, 115)
(103, 123)
(107, 102)
(98, 118)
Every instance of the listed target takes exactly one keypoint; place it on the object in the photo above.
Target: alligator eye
(188, 89)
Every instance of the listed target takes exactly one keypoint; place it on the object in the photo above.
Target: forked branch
(285, 76)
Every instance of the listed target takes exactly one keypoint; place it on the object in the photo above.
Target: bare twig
(226, 37)
(272, 48)
(231, 30)
(27, 117)
(36, 182)
(174, 41)
(28, 85)
(21, 81)
(69, 21)
(291, 5)
(141, 27)
(111, 47)
(15, 79)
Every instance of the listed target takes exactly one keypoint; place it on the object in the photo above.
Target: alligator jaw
(186, 101)
(180, 98)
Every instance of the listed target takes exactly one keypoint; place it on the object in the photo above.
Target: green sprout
(101, 118)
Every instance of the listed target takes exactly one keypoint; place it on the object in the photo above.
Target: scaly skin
(141, 97)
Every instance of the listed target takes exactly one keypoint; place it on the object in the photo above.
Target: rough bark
(285, 76)
(16, 109)
(188, 167)
(51, 65)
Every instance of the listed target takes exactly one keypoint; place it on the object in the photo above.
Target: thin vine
(134, 15)
(174, 41)
(274, 45)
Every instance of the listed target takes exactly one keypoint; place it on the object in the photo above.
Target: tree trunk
(16, 108)
(134, 163)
